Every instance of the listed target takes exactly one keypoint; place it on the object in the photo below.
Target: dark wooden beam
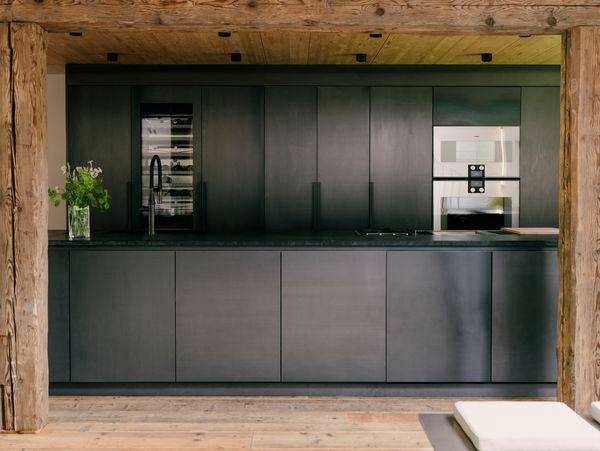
(423, 16)
(23, 227)
(579, 243)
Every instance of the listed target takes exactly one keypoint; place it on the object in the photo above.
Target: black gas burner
(383, 232)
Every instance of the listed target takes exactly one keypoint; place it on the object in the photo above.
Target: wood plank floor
(231, 423)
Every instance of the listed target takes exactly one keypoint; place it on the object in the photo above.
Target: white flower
(63, 169)
(90, 162)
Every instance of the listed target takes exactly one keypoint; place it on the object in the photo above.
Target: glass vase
(79, 223)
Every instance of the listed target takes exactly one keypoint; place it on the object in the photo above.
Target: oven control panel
(476, 178)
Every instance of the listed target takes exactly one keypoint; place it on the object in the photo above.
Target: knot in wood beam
(552, 21)
(490, 21)
(380, 11)
(252, 4)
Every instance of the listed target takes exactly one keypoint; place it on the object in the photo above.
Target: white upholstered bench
(596, 411)
(525, 425)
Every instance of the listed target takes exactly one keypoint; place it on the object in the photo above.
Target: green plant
(83, 187)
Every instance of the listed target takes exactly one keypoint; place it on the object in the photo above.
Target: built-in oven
(456, 148)
(476, 204)
(476, 178)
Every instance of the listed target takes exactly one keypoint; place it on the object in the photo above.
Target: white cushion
(596, 411)
(525, 425)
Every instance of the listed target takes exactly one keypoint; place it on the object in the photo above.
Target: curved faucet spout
(152, 189)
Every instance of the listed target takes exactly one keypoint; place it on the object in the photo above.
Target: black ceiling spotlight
(375, 35)
(524, 35)
(224, 34)
(361, 57)
(236, 57)
(486, 57)
(75, 33)
(112, 57)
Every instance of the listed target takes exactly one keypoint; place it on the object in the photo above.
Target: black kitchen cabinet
(233, 158)
(343, 156)
(290, 156)
(524, 315)
(540, 156)
(58, 315)
(401, 158)
(99, 129)
(470, 105)
(228, 316)
(333, 316)
(438, 316)
(122, 316)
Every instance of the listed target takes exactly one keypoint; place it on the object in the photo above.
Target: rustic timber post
(23, 227)
(579, 243)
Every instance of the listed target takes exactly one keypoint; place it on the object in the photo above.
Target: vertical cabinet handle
(316, 205)
(371, 203)
(129, 200)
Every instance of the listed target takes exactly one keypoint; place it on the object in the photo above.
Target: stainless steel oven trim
(460, 188)
(508, 169)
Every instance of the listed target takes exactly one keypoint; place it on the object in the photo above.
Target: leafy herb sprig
(83, 187)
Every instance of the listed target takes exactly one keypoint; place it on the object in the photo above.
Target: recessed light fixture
(375, 35)
(486, 57)
(361, 57)
(75, 33)
(224, 34)
(112, 57)
(236, 57)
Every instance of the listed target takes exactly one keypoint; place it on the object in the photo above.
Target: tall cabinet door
(291, 156)
(228, 314)
(99, 119)
(122, 316)
(525, 305)
(233, 166)
(343, 156)
(540, 155)
(58, 315)
(401, 165)
(438, 317)
(333, 316)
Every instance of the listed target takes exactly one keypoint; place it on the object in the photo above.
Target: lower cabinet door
(525, 305)
(438, 316)
(333, 316)
(122, 316)
(58, 315)
(228, 316)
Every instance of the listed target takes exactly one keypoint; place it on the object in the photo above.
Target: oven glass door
(455, 208)
(455, 148)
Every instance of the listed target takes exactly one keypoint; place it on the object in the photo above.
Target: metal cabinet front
(438, 316)
(122, 316)
(333, 316)
(525, 304)
(228, 313)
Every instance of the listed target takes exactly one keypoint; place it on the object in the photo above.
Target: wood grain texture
(232, 423)
(579, 239)
(460, 16)
(7, 284)
(279, 47)
(27, 314)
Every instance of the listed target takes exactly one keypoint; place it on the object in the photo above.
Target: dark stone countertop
(323, 239)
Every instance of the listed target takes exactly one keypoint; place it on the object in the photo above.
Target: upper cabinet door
(540, 154)
(343, 156)
(477, 106)
(401, 158)
(99, 129)
(233, 166)
(291, 156)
